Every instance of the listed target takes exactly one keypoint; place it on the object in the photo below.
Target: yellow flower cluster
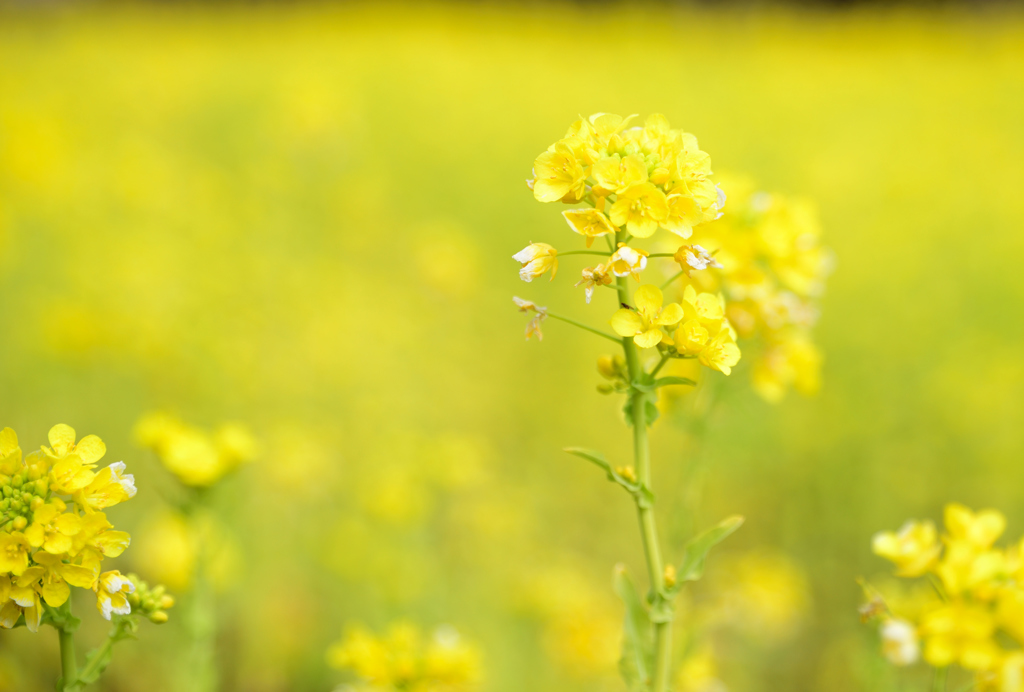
(54, 534)
(197, 458)
(771, 268)
(404, 660)
(647, 177)
(635, 181)
(978, 611)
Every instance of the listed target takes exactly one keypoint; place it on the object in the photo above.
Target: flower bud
(20, 523)
(158, 618)
(670, 576)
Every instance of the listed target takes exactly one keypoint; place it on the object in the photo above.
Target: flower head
(558, 175)
(899, 642)
(694, 257)
(645, 322)
(112, 591)
(627, 261)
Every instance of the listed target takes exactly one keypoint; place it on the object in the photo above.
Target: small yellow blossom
(644, 324)
(615, 174)
(589, 223)
(594, 277)
(198, 458)
(914, 549)
(533, 326)
(536, 259)
(721, 353)
(558, 175)
(627, 261)
(640, 209)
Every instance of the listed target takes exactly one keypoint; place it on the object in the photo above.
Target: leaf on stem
(662, 382)
(637, 645)
(650, 410)
(592, 456)
(697, 549)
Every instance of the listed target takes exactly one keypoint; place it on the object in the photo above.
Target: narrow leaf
(591, 456)
(637, 647)
(664, 381)
(697, 549)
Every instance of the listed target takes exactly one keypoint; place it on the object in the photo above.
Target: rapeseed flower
(589, 223)
(196, 457)
(644, 323)
(978, 606)
(627, 261)
(53, 535)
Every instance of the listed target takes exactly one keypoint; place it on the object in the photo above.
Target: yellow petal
(79, 576)
(672, 313)
(90, 449)
(626, 322)
(648, 298)
(62, 438)
(648, 339)
(56, 594)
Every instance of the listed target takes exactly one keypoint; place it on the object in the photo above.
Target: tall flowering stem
(636, 181)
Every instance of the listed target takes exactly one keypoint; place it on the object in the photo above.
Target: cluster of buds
(151, 602)
(613, 369)
(975, 616)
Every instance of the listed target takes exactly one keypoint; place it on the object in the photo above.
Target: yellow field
(301, 218)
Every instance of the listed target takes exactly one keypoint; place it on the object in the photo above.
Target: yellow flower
(590, 223)
(914, 549)
(558, 175)
(960, 633)
(533, 326)
(594, 277)
(644, 324)
(111, 486)
(56, 574)
(627, 261)
(690, 338)
(790, 359)
(721, 353)
(112, 591)
(615, 174)
(640, 209)
(14, 551)
(536, 259)
(72, 463)
(52, 530)
(196, 457)
(978, 530)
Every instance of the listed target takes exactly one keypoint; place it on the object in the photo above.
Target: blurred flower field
(288, 231)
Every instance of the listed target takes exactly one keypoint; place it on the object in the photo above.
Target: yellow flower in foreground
(589, 223)
(640, 209)
(558, 175)
(614, 174)
(536, 259)
(644, 324)
(914, 549)
(721, 353)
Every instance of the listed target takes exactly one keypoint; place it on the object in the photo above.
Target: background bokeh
(301, 218)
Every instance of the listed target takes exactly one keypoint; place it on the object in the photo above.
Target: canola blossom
(973, 617)
(635, 181)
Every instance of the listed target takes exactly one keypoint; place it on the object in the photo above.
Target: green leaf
(591, 456)
(665, 381)
(697, 549)
(637, 644)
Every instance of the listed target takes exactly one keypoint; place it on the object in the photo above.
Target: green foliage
(637, 646)
(696, 551)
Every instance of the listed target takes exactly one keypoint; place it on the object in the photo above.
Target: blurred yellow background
(301, 218)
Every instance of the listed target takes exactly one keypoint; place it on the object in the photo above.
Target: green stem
(648, 526)
(939, 681)
(68, 660)
(662, 254)
(584, 252)
(674, 277)
(661, 363)
(584, 327)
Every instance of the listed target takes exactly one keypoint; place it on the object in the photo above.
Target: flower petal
(626, 322)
